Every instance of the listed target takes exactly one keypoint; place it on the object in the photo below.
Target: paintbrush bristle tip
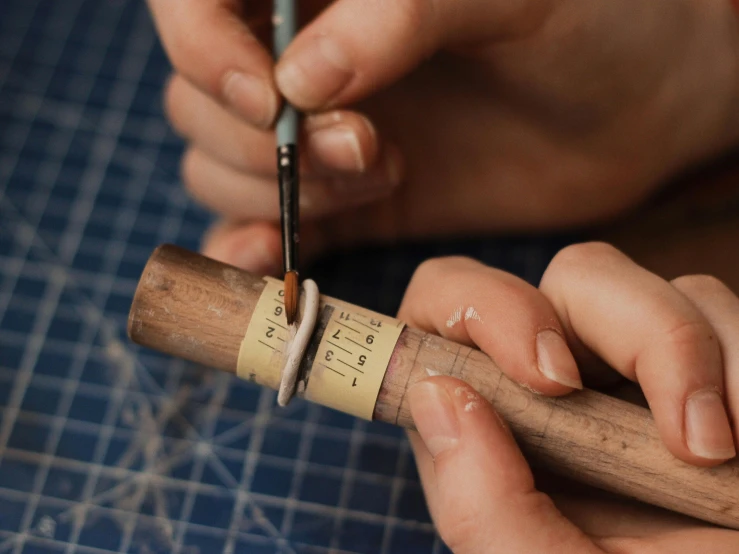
(291, 296)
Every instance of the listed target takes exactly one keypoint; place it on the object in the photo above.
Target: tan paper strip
(352, 359)
(262, 349)
(350, 362)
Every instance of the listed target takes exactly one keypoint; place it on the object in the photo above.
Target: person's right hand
(439, 117)
(676, 339)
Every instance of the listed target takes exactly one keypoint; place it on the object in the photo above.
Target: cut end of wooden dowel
(291, 296)
(135, 324)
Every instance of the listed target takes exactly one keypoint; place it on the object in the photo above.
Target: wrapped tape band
(349, 349)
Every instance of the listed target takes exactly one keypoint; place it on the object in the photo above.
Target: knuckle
(462, 531)
(186, 56)
(577, 256)
(181, 51)
(435, 268)
(541, 508)
(700, 284)
(414, 16)
(584, 253)
(688, 333)
(427, 271)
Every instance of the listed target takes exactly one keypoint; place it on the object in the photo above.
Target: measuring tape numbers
(262, 349)
(346, 360)
(352, 357)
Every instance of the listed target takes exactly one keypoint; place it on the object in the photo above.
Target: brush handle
(198, 309)
(285, 25)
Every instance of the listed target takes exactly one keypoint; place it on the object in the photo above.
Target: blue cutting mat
(105, 447)
(108, 448)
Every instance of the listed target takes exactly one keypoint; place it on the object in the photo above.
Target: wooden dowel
(198, 309)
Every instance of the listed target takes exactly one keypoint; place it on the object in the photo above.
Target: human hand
(676, 339)
(445, 117)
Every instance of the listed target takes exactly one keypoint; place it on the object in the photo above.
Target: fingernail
(372, 185)
(555, 360)
(434, 416)
(341, 144)
(707, 428)
(313, 75)
(251, 97)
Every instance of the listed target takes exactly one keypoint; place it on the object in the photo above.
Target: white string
(298, 335)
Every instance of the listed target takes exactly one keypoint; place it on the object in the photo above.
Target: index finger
(507, 318)
(210, 44)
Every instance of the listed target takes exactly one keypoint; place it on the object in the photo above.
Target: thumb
(479, 488)
(356, 47)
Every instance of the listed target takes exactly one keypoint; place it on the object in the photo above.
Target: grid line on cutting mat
(105, 447)
(91, 180)
(210, 464)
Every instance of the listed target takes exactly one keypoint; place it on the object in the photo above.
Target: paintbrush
(285, 24)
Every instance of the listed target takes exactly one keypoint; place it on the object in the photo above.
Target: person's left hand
(676, 339)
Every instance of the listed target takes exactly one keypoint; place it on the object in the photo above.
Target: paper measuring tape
(263, 347)
(346, 359)
(352, 357)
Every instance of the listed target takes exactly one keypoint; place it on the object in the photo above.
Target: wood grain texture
(199, 309)
(586, 436)
(193, 308)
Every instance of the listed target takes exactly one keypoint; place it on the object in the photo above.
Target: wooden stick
(198, 309)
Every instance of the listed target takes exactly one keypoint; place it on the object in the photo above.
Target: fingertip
(257, 247)
(434, 415)
(350, 161)
(484, 491)
(178, 104)
(555, 360)
(352, 49)
(507, 318)
(342, 141)
(714, 408)
(254, 247)
(698, 431)
(253, 98)
(313, 70)
(664, 342)
(212, 243)
(478, 416)
(707, 429)
(450, 414)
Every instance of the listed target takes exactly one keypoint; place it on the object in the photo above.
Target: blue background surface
(105, 447)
